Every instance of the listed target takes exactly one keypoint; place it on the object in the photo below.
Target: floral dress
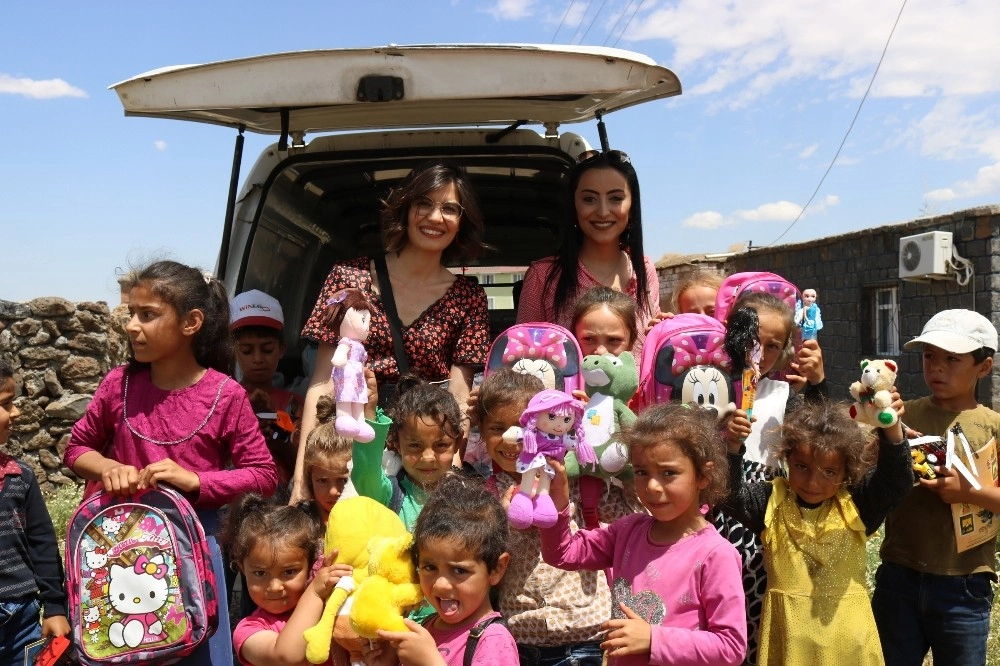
(455, 330)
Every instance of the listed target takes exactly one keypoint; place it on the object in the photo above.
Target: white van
(352, 122)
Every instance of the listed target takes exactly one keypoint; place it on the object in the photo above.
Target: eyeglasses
(450, 210)
(610, 155)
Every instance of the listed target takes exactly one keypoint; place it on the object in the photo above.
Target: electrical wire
(565, 14)
(586, 11)
(593, 20)
(615, 26)
(846, 134)
(625, 29)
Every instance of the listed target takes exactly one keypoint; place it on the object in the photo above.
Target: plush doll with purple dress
(551, 424)
(349, 314)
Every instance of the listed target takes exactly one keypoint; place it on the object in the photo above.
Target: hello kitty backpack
(545, 350)
(139, 578)
(683, 360)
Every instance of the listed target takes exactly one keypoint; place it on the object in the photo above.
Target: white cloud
(708, 219)
(747, 49)
(46, 89)
(808, 151)
(986, 181)
(160, 145)
(512, 10)
(779, 211)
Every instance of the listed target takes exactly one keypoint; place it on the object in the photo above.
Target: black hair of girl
(6, 372)
(416, 398)
(827, 427)
(185, 288)
(761, 300)
(461, 509)
(618, 303)
(424, 178)
(506, 387)
(695, 432)
(254, 520)
(568, 258)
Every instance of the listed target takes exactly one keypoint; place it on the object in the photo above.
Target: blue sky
(770, 87)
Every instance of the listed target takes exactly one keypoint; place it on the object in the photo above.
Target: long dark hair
(186, 288)
(427, 177)
(568, 258)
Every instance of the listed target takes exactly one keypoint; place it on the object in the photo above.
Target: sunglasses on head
(610, 155)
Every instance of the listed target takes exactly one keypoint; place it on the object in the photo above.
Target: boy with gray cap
(927, 594)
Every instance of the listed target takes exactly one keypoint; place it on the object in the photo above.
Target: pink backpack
(139, 579)
(683, 359)
(545, 350)
(737, 283)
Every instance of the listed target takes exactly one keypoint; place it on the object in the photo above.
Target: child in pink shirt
(461, 545)
(676, 583)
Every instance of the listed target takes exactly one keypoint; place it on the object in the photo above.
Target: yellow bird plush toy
(372, 539)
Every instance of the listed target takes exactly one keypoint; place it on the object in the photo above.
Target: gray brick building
(868, 311)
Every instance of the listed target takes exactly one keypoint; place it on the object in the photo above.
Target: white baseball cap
(958, 332)
(255, 308)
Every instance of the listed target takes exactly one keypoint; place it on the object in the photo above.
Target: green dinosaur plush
(610, 382)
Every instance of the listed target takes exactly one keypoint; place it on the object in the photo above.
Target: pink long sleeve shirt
(230, 433)
(691, 591)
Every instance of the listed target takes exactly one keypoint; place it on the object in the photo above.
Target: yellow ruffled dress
(816, 608)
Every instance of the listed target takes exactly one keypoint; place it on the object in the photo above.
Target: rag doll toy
(610, 381)
(348, 312)
(872, 398)
(551, 425)
(374, 541)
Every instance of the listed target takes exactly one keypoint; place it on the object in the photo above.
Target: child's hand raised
(807, 368)
(372, 385)
(167, 471)
(415, 647)
(738, 429)
(559, 487)
(633, 635)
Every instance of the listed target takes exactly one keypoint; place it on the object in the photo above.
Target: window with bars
(886, 320)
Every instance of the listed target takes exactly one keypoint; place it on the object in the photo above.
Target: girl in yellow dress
(813, 525)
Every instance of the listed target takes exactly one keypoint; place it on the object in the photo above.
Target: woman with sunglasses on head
(603, 248)
(431, 220)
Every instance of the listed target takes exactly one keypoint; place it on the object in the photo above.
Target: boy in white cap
(257, 323)
(927, 594)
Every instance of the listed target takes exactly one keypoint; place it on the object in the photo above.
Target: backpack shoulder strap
(475, 634)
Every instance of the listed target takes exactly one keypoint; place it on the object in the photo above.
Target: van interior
(321, 206)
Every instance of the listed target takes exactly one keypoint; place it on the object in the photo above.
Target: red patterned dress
(455, 330)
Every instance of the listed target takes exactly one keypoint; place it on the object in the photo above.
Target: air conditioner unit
(925, 256)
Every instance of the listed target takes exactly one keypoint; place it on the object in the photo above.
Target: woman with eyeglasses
(603, 247)
(431, 220)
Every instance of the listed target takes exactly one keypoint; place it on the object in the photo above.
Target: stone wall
(846, 270)
(60, 351)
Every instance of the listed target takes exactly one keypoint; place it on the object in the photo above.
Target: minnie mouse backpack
(139, 579)
(683, 360)
(547, 351)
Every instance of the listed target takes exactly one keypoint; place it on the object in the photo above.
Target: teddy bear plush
(871, 394)
(373, 540)
(610, 381)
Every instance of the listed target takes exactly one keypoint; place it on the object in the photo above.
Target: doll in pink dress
(551, 424)
(349, 314)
